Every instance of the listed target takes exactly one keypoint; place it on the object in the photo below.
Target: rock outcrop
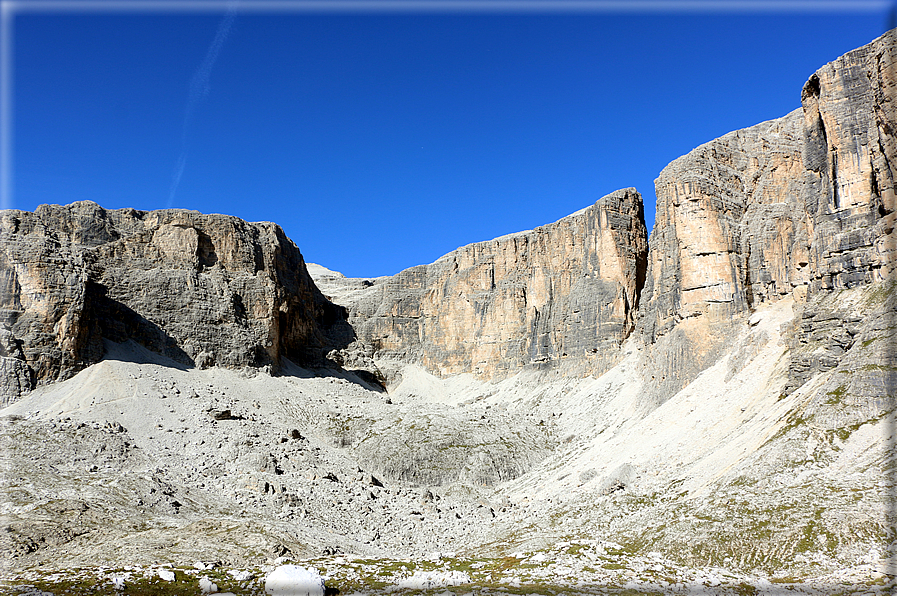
(794, 206)
(564, 291)
(200, 289)
(798, 205)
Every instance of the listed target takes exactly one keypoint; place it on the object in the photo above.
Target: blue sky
(383, 139)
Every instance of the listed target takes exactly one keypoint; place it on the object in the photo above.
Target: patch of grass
(744, 589)
(575, 549)
(881, 367)
(81, 584)
(792, 422)
(614, 566)
(879, 293)
(639, 501)
(837, 394)
(842, 433)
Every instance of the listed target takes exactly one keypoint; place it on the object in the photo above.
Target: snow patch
(166, 575)
(293, 580)
(207, 586)
(424, 580)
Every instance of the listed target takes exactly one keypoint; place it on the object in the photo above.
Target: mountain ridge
(719, 397)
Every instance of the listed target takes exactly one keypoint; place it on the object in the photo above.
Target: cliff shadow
(126, 335)
(331, 350)
(364, 378)
(131, 351)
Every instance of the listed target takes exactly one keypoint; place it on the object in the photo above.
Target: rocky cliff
(203, 290)
(798, 205)
(795, 206)
(755, 214)
(567, 291)
(740, 440)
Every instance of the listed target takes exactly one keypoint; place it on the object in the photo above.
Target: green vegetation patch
(880, 367)
(134, 583)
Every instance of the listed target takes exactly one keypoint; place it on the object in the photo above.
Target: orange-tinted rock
(564, 291)
(793, 206)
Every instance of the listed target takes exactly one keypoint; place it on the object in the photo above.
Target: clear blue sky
(383, 140)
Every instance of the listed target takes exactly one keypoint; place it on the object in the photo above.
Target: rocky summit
(187, 406)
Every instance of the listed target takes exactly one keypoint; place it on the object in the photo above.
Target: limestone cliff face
(200, 289)
(795, 206)
(850, 152)
(798, 205)
(724, 211)
(567, 290)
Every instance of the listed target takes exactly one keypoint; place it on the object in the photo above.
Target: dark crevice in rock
(206, 251)
(836, 196)
(811, 88)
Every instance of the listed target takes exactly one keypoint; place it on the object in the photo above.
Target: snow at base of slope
(293, 580)
(423, 580)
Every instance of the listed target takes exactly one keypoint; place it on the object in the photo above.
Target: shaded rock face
(798, 205)
(200, 289)
(565, 290)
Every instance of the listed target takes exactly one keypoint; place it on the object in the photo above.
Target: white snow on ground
(424, 580)
(166, 575)
(317, 271)
(293, 580)
(207, 586)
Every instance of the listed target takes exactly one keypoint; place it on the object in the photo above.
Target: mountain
(714, 405)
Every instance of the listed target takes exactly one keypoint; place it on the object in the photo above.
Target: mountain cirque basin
(572, 409)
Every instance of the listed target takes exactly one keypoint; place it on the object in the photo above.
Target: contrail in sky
(199, 89)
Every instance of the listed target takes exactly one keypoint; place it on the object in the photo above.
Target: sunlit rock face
(564, 292)
(792, 206)
(723, 210)
(850, 151)
(200, 289)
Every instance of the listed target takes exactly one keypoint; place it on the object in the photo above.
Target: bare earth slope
(560, 409)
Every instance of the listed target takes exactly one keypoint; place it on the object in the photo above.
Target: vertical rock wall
(794, 206)
(850, 152)
(805, 200)
(729, 229)
(565, 291)
(200, 289)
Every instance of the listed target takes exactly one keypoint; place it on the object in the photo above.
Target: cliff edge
(201, 290)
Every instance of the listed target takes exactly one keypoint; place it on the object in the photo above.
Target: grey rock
(790, 207)
(202, 290)
(564, 293)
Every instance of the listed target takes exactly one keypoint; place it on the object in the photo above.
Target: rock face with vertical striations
(199, 289)
(850, 152)
(797, 205)
(746, 426)
(564, 291)
(794, 206)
